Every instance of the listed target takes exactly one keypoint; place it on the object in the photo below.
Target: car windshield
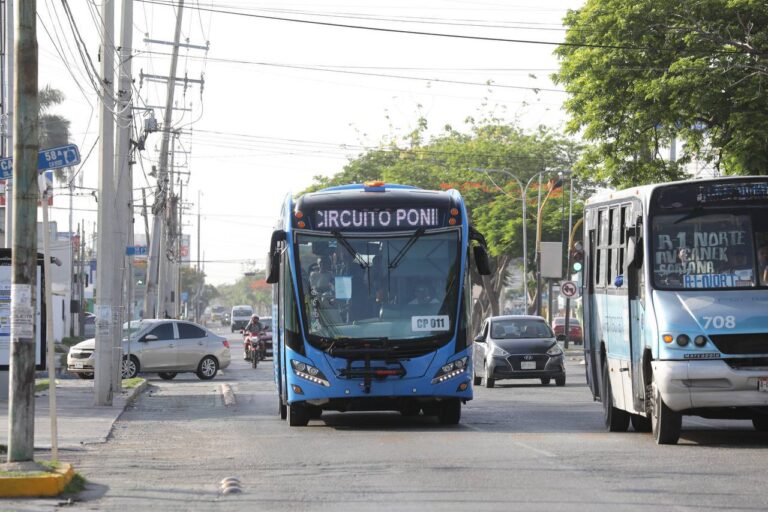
(136, 326)
(520, 328)
(399, 287)
(571, 322)
(701, 250)
(242, 312)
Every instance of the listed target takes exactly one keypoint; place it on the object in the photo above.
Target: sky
(293, 90)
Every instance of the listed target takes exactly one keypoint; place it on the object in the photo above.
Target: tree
(250, 289)
(54, 128)
(642, 74)
(493, 201)
(200, 294)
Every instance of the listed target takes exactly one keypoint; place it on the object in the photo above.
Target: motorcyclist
(253, 329)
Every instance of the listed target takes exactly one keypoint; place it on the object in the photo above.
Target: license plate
(762, 384)
(527, 365)
(78, 365)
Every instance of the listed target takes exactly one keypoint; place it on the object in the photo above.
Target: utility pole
(199, 270)
(106, 312)
(8, 112)
(21, 406)
(158, 231)
(123, 182)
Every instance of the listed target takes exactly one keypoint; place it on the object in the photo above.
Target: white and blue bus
(676, 303)
(371, 302)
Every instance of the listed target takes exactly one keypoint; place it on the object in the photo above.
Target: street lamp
(523, 196)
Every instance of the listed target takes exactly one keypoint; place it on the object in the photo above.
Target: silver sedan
(165, 347)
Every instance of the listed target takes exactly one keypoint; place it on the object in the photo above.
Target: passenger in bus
(423, 295)
(762, 264)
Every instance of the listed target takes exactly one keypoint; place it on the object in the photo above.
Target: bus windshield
(701, 249)
(402, 287)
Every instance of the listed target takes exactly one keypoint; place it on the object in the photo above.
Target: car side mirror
(480, 338)
(149, 337)
(560, 337)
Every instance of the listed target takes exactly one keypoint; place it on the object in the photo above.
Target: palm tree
(54, 128)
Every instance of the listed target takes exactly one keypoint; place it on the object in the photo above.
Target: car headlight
(555, 350)
(451, 370)
(310, 373)
(498, 351)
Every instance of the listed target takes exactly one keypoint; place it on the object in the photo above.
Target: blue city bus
(371, 301)
(675, 303)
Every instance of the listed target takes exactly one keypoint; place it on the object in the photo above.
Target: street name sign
(136, 250)
(51, 158)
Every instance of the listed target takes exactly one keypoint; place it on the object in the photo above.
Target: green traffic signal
(577, 266)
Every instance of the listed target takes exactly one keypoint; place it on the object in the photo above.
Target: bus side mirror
(482, 261)
(634, 251)
(273, 257)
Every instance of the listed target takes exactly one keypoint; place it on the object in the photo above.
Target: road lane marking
(227, 395)
(535, 450)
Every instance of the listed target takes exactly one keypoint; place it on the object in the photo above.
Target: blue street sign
(136, 250)
(184, 296)
(52, 158)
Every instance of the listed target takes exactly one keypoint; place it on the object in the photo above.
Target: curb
(51, 484)
(134, 393)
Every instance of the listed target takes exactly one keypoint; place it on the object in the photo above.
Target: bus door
(636, 296)
(590, 321)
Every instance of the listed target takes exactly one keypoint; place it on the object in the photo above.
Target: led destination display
(396, 218)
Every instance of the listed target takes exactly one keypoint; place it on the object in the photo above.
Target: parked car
(574, 328)
(517, 347)
(166, 347)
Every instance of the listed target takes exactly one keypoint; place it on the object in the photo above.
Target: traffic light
(577, 258)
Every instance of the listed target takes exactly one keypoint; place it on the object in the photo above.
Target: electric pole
(8, 112)
(158, 231)
(21, 406)
(106, 312)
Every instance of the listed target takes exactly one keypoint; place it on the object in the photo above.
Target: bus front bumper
(703, 384)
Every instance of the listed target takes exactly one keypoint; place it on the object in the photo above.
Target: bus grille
(755, 343)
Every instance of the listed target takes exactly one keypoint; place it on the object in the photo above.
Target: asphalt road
(520, 446)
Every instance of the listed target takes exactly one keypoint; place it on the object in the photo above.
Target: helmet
(254, 317)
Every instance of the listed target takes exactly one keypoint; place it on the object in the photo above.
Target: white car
(165, 347)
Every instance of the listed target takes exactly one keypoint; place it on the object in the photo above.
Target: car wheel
(130, 367)
(85, 376)
(560, 381)
(488, 381)
(545, 381)
(450, 412)
(297, 416)
(615, 419)
(665, 423)
(476, 380)
(207, 368)
(760, 422)
(167, 375)
(640, 423)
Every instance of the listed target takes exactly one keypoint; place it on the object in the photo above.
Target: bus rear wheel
(665, 423)
(640, 423)
(298, 416)
(615, 419)
(450, 412)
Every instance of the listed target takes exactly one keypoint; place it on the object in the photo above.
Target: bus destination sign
(733, 192)
(395, 218)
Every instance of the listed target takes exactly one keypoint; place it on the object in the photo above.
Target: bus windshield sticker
(350, 218)
(430, 323)
(343, 287)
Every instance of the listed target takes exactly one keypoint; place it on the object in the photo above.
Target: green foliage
(249, 289)
(133, 383)
(193, 282)
(643, 73)
(54, 128)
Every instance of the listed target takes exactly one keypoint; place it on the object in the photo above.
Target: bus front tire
(760, 422)
(615, 419)
(297, 416)
(640, 423)
(282, 410)
(665, 423)
(450, 412)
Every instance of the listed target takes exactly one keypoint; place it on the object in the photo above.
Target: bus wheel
(640, 423)
(665, 423)
(282, 409)
(450, 412)
(297, 416)
(615, 419)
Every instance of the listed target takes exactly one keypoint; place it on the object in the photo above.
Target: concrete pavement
(80, 422)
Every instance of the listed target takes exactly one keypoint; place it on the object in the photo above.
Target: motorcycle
(253, 347)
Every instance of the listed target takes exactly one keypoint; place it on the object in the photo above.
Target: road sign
(569, 289)
(51, 158)
(136, 250)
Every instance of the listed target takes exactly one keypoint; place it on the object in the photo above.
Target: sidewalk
(79, 421)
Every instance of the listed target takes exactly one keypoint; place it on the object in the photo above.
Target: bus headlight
(683, 340)
(310, 373)
(451, 370)
(700, 340)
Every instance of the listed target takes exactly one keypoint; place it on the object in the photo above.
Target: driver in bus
(762, 263)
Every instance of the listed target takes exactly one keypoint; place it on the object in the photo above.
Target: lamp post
(524, 195)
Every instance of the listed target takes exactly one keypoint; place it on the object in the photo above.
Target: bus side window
(602, 232)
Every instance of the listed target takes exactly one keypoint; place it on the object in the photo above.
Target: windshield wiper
(400, 255)
(351, 250)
